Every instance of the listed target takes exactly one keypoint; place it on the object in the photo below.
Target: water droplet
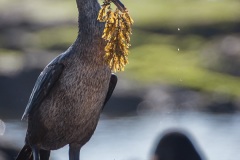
(2, 127)
(178, 49)
(178, 29)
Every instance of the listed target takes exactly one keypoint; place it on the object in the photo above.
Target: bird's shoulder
(44, 84)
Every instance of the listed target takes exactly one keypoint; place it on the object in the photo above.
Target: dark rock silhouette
(176, 145)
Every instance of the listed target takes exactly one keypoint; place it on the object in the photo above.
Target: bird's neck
(89, 42)
(87, 19)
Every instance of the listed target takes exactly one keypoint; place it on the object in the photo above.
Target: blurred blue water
(134, 138)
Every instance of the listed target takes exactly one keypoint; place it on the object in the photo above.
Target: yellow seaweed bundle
(117, 33)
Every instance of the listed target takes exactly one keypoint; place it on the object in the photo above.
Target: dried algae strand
(117, 33)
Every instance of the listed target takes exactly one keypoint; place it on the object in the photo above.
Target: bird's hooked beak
(119, 5)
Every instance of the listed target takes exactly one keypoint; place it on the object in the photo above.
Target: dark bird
(70, 93)
(176, 145)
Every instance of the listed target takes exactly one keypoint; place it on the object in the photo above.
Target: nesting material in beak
(119, 5)
(117, 33)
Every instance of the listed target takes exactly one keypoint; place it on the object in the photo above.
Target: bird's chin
(119, 5)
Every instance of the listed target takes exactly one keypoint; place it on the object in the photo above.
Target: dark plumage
(70, 93)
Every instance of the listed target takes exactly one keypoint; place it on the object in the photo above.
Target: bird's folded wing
(43, 85)
(112, 85)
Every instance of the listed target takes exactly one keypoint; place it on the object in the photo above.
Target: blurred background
(183, 73)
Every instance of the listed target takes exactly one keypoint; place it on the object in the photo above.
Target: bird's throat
(87, 18)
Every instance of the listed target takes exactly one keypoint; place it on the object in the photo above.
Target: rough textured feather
(26, 154)
(43, 85)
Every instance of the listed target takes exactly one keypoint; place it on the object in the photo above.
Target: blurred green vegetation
(168, 39)
(185, 13)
